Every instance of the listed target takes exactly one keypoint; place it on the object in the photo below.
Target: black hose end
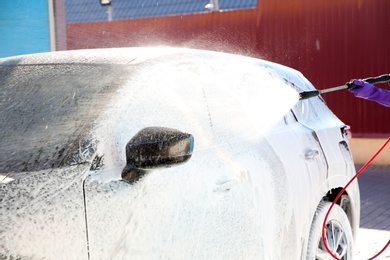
(308, 94)
(351, 85)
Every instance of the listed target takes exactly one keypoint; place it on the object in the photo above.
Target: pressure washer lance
(373, 80)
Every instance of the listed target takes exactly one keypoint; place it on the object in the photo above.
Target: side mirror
(156, 147)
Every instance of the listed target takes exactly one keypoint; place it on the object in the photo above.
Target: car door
(304, 163)
(42, 214)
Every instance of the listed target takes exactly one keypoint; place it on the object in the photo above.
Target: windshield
(46, 109)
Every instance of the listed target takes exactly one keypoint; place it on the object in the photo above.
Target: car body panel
(42, 215)
(261, 163)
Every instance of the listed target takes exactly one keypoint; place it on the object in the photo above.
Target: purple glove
(368, 91)
(363, 89)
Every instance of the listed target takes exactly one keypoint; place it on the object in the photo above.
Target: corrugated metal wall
(78, 11)
(330, 41)
(229, 31)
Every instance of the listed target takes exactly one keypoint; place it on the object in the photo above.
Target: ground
(374, 231)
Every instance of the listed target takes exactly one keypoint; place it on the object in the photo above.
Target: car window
(46, 109)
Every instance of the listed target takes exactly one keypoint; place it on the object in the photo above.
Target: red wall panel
(225, 31)
(332, 42)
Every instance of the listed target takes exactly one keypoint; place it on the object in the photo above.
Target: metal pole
(216, 5)
(52, 25)
(109, 12)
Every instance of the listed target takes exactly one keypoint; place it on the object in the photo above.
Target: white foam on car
(229, 201)
(44, 215)
(215, 206)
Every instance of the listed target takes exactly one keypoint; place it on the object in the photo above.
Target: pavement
(374, 232)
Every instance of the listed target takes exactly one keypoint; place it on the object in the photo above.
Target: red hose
(339, 195)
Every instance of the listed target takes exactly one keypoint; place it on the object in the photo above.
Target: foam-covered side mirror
(156, 147)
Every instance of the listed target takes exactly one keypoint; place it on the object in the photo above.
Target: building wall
(225, 31)
(59, 16)
(78, 11)
(329, 41)
(24, 27)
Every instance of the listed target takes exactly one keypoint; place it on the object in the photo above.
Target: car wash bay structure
(30, 27)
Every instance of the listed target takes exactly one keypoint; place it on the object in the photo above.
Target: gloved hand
(361, 88)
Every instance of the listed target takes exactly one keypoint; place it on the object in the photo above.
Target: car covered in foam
(169, 153)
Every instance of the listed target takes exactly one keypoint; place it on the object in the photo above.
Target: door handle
(311, 154)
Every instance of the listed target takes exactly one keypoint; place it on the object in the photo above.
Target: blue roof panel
(78, 11)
